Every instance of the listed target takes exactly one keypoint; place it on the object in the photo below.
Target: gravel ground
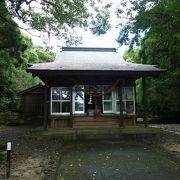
(171, 139)
(173, 128)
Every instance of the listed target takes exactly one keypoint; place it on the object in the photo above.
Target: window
(127, 99)
(107, 100)
(60, 100)
(118, 102)
(79, 101)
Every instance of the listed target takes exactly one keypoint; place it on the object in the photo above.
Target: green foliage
(163, 92)
(11, 48)
(3, 151)
(101, 23)
(50, 13)
(18, 79)
(159, 18)
(37, 55)
(158, 21)
(3, 155)
(166, 91)
(132, 55)
(59, 17)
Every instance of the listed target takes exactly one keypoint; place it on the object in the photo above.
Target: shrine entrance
(93, 105)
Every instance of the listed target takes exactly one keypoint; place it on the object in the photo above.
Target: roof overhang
(92, 62)
(91, 73)
(80, 74)
(32, 90)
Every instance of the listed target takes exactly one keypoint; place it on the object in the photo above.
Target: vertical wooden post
(121, 107)
(71, 107)
(95, 107)
(135, 104)
(144, 101)
(144, 98)
(45, 108)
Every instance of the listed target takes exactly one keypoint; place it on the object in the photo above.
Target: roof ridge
(94, 49)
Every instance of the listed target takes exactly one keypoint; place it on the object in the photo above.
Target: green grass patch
(2, 152)
(2, 127)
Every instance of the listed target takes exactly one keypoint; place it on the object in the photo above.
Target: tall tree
(154, 25)
(16, 51)
(11, 48)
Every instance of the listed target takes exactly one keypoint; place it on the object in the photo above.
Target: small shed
(32, 104)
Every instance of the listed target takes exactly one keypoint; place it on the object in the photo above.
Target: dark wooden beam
(144, 98)
(45, 108)
(121, 107)
(71, 108)
(135, 99)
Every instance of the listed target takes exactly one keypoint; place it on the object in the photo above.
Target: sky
(90, 40)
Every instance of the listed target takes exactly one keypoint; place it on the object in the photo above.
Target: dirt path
(32, 157)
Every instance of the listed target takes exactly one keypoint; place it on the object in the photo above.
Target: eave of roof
(31, 89)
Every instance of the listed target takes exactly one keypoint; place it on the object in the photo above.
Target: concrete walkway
(120, 160)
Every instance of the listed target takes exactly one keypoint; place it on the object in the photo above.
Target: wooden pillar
(135, 104)
(121, 107)
(144, 98)
(45, 108)
(71, 108)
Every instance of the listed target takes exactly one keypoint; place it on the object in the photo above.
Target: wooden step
(114, 126)
(95, 125)
(92, 122)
